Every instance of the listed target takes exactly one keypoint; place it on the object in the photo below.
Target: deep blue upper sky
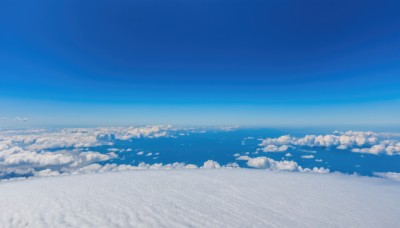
(200, 62)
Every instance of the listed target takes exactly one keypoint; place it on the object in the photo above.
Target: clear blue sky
(207, 62)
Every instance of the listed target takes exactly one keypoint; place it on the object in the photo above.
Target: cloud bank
(273, 165)
(358, 142)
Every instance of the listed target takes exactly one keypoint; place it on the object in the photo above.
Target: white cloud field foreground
(200, 198)
(65, 186)
(358, 142)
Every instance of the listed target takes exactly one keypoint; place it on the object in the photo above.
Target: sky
(90, 63)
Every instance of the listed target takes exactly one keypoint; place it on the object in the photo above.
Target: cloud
(18, 161)
(320, 170)
(273, 165)
(202, 198)
(358, 142)
(388, 175)
(243, 158)
(210, 164)
(274, 148)
(268, 163)
(32, 151)
(307, 156)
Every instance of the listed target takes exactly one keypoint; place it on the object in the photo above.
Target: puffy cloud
(270, 164)
(273, 148)
(389, 175)
(19, 161)
(320, 170)
(32, 151)
(259, 162)
(210, 164)
(21, 119)
(360, 142)
(243, 158)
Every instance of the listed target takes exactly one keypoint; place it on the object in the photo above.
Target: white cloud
(274, 148)
(320, 170)
(307, 156)
(243, 158)
(389, 175)
(360, 142)
(210, 164)
(31, 151)
(21, 119)
(270, 164)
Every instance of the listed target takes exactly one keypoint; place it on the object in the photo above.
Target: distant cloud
(210, 164)
(274, 148)
(358, 142)
(389, 175)
(307, 156)
(268, 163)
(208, 198)
(243, 158)
(41, 152)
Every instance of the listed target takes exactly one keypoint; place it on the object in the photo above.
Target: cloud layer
(200, 198)
(40, 152)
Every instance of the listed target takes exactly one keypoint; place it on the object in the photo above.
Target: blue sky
(200, 62)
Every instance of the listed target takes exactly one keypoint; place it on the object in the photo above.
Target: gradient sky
(205, 62)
